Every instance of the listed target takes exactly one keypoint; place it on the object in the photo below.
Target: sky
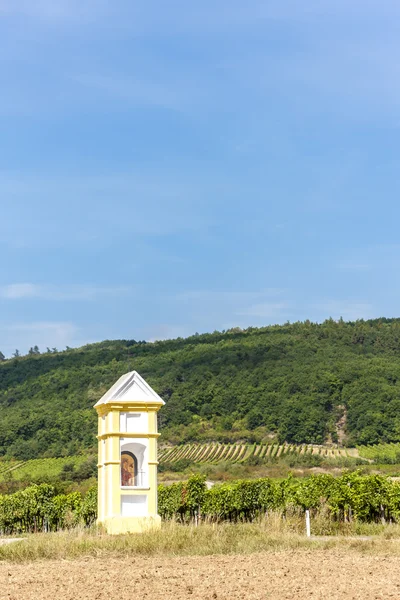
(176, 167)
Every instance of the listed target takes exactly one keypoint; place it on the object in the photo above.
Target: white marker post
(308, 526)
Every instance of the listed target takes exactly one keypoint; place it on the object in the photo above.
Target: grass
(269, 533)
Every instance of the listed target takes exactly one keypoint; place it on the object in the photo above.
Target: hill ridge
(292, 381)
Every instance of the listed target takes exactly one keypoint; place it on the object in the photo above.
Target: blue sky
(173, 167)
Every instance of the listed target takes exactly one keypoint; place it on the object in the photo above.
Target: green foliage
(50, 470)
(89, 507)
(384, 454)
(303, 460)
(365, 498)
(175, 466)
(254, 461)
(171, 500)
(38, 508)
(294, 380)
(181, 500)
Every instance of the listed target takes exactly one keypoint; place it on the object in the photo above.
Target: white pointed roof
(130, 388)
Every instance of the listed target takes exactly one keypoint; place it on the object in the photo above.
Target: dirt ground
(300, 574)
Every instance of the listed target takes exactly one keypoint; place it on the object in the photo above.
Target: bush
(174, 467)
(303, 460)
(254, 461)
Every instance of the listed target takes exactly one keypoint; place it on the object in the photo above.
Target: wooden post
(308, 525)
(383, 520)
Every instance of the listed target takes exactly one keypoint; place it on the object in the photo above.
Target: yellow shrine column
(127, 456)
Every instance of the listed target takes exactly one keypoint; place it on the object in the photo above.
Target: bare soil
(301, 574)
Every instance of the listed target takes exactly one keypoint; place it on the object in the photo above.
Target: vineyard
(211, 453)
(36, 469)
(233, 453)
(352, 496)
(38, 508)
(368, 498)
(381, 453)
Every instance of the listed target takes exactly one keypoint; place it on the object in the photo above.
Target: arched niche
(134, 465)
(129, 469)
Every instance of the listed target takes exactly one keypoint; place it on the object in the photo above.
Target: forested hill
(303, 381)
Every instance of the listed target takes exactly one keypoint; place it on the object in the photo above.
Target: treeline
(33, 351)
(304, 382)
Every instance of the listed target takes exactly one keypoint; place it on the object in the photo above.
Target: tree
(301, 381)
(2, 357)
(16, 354)
(254, 419)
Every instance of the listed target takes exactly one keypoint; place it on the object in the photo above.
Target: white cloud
(16, 291)
(208, 310)
(178, 17)
(350, 75)
(353, 265)
(116, 204)
(52, 334)
(167, 332)
(373, 257)
(170, 95)
(53, 10)
(227, 296)
(265, 310)
(349, 311)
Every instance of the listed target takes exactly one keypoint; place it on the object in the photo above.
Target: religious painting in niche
(128, 469)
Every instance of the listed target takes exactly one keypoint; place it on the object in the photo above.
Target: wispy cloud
(227, 296)
(52, 334)
(371, 257)
(216, 309)
(124, 203)
(136, 91)
(354, 265)
(19, 291)
(266, 310)
(167, 332)
(223, 309)
(54, 10)
(146, 17)
(349, 311)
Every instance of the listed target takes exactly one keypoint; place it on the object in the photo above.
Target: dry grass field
(271, 559)
(301, 574)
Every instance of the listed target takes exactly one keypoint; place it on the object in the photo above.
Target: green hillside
(304, 382)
